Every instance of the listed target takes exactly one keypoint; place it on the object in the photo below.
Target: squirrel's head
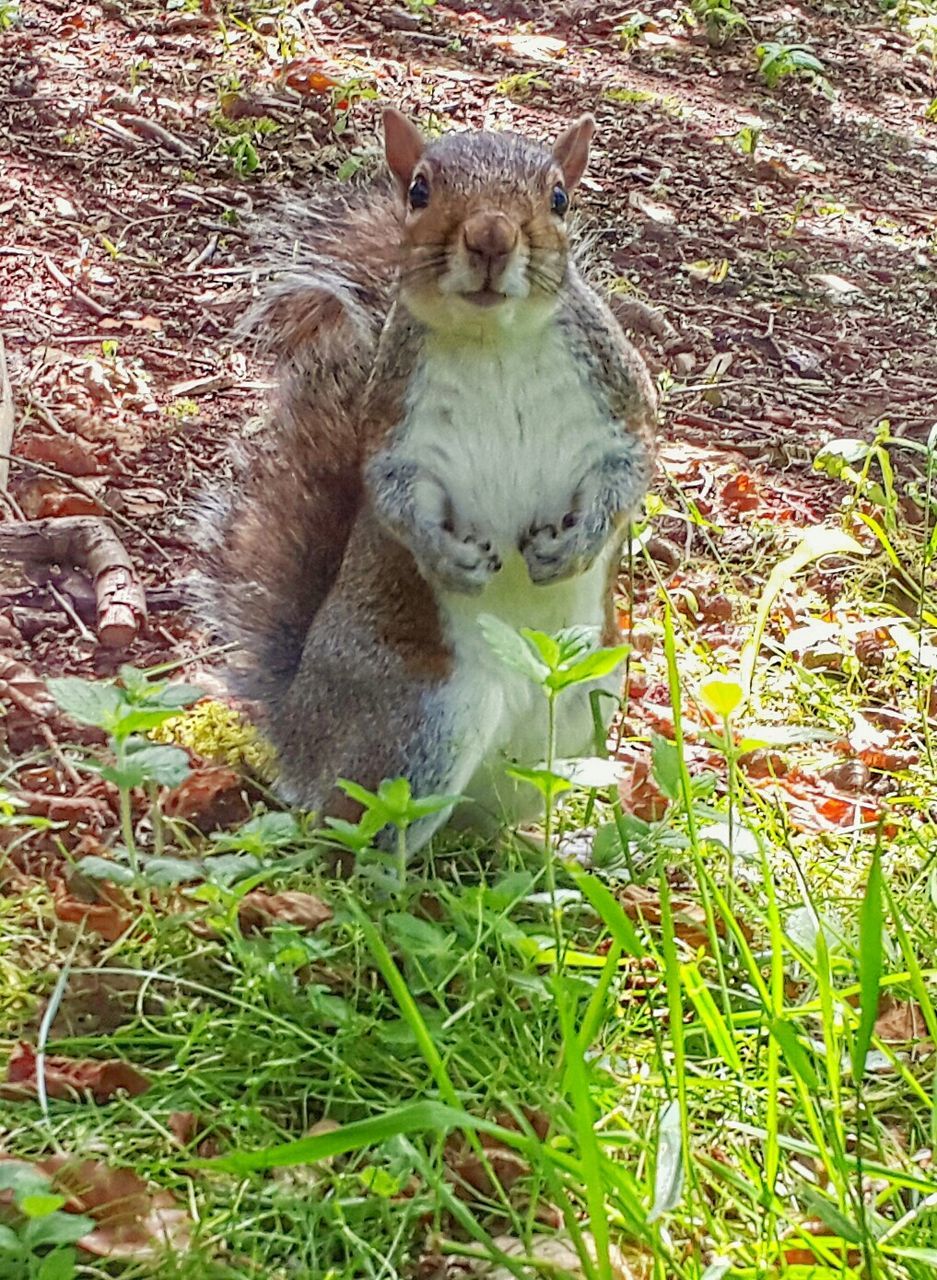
(484, 239)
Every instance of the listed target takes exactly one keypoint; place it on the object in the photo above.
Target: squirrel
(461, 428)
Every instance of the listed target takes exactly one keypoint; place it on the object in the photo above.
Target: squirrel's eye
(418, 194)
(559, 201)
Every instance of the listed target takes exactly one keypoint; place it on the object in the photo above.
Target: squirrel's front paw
(554, 551)
(463, 559)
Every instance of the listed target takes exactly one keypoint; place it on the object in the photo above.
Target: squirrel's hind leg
(378, 694)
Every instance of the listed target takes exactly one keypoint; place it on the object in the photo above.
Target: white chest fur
(510, 432)
(509, 427)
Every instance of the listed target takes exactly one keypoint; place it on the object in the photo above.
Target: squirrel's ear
(572, 150)
(403, 146)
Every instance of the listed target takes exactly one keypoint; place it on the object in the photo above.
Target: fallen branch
(61, 278)
(6, 417)
(89, 543)
(156, 133)
(74, 482)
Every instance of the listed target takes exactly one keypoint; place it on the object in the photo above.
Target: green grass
(700, 1103)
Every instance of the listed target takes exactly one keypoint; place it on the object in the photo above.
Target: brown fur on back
(273, 536)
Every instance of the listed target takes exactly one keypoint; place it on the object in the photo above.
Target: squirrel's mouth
(485, 297)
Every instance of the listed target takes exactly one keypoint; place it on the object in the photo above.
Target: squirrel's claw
(559, 549)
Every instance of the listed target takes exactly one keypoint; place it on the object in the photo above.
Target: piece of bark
(6, 418)
(92, 544)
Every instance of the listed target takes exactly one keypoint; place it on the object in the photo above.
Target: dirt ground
(772, 250)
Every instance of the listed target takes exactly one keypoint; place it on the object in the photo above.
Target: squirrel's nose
(489, 238)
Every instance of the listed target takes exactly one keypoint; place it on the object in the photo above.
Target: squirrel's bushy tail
(272, 536)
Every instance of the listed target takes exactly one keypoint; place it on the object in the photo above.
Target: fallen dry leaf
(850, 775)
(96, 1004)
(899, 1021)
(135, 1220)
(689, 918)
(259, 910)
(109, 916)
(65, 453)
(62, 503)
(188, 1129)
(537, 48)
(305, 77)
(741, 493)
(210, 798)
(640, 794)
(559, 1255)
(800, 1254)
(71, 1078)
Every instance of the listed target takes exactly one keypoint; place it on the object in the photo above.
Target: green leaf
(168, 871)
(720, 696)
(593, 667)
(87, 701)
(426, 805)
(711, 1018)
(369, 799)
(609, 910)
(513, 650)
(177, 696)
(870, 964)
(417, 1117)
(23, 1179)
(9, 1240)
(57, 1228)
(668, 1173)
(418, 937)
(576, 641)
(913, 1254)
(259, 835)
(96, 868)
(817, 542)
(39, 1204)
(58, 1265)
(149, 762)
(395, 795)
(795, 1055)
(225, 868)
(665, 765)
(547, 783)
(829, 1215)
(140, 720)
(547, 646)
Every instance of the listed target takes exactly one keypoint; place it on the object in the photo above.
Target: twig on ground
(79, 293)
(66, 605)
(6, 417)
(87, 492)
(90, 543)
(205, 256)
(147, 128)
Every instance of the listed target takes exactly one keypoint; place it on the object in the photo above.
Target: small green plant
(392, 805)
(138, 69)
(747, 140)
(182, 409)
(9, 14)
(519, 86)
(631, 33)
(126, 711)
(719, 19)
(36, 1243)
(109, 348)
(777, 61)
